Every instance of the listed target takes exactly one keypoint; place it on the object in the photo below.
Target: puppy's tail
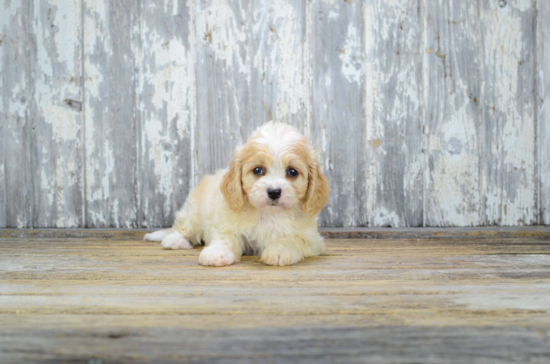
(157, 235)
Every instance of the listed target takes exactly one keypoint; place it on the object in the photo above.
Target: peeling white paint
(509, 201)
(167, 101)
(543, 132)
(456, 165)
(242, 43)
(352, 56)
(218, 26)
(56, 29)
(392, 98)
(385, 218)
(67, 25)
(65, 126)
(284, 59)
(14, 63)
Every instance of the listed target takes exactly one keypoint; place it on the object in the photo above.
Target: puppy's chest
(266, 230)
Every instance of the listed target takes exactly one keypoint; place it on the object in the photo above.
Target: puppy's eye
(291, 172)
(258, 171)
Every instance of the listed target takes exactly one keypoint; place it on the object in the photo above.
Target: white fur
(157, 235)
(175, 241)
(282, 231)
(216, 255)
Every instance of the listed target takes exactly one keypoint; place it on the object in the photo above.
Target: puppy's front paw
(217, 256)
(175, 241)
(280, 255)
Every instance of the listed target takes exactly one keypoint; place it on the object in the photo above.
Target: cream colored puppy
(265, 204)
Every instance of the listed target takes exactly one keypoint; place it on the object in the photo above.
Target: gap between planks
(490, 232)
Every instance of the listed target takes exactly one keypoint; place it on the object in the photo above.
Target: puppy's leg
(222, 251)
(184, 228)
(175, 240)
(290, 250)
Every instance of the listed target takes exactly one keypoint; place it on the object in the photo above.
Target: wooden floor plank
(67, 300)
(283, 345)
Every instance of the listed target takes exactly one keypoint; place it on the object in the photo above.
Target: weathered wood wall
(426, 112)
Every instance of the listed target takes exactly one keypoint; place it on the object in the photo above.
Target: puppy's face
(273, 180)
(275, 171)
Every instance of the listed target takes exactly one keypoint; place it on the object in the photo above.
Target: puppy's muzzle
(274, 193)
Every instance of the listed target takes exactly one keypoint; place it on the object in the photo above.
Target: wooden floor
(97, 300)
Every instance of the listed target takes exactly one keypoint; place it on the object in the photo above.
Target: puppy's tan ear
(231, 185)
(317, 191)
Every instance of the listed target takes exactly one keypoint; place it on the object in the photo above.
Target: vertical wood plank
(4, 26)
(278, 85)
(507, 28)
(167, 100)
(56, 113)
(338, 106)
(543, 103)
(250, 69)
(394, 132)
(110, 112)
(222, 71)
(3, 121)
(452, 116)
(16, 124)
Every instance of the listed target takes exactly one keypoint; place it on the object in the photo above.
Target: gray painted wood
(221, 70)
(393, 113)
(250, 69)
(17, 130)
(3, 196)
(452, 116)
(425, 113)
(338, 106)
(110, 113)
(543, 110)
(167, 104)
(4, 25)
(509, 179)
(277, 83)
(56, 113)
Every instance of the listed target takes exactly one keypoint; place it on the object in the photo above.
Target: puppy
(265, 204)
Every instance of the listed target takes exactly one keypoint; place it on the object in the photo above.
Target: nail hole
(73, 104)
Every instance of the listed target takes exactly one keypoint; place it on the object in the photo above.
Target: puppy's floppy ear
(317, 191)
(231, 185)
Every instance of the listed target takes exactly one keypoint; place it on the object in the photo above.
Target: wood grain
(284, 345)
(4, 25)
(393, 113)
(278, 86)
(509, 189)
(543, 110)
(404, 300)
(57, 113)
(337, 46)
(250, 69)
(110, 113)
(15, 24)
(452, 118)
(167, 104)
(424, 113)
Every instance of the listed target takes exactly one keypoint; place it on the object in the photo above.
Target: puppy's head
(275, 170)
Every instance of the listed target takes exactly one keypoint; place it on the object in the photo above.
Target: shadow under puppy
(265, 204)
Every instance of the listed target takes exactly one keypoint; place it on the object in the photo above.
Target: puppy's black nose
(274, 193)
